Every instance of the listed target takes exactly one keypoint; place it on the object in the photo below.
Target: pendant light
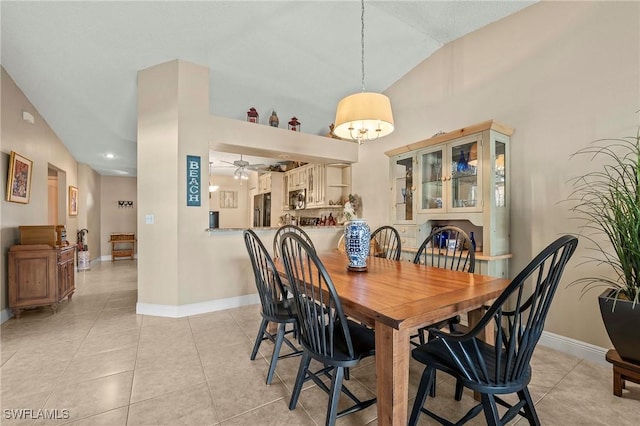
(366, 115)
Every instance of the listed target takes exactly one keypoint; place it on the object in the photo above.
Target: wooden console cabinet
(122, 245)
(40, 275)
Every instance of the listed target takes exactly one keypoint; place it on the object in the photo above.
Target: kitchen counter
(270, 228)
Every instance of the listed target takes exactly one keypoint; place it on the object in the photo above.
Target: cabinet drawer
(65, 255)
(406, 230)
(407, 242)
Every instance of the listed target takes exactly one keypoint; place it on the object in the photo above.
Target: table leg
(488, 333)
(392, 375)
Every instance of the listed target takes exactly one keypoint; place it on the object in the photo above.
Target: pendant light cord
(362, 42)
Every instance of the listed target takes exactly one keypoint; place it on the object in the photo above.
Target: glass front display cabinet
(457, 177)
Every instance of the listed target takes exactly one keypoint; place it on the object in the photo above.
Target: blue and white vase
(357, 237)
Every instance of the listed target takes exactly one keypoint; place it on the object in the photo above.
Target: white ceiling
(77, 62)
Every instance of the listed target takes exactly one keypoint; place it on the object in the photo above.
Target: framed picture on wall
(73, 201)
(228, 199)
(19, 179)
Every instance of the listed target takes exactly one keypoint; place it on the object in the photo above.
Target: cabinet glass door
(500, 176)
(432, 182)
(465, 164)
(403, 186)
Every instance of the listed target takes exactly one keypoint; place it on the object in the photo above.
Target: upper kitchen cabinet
(461, 175)
(264, 183)
(297, 178)
(327, 185)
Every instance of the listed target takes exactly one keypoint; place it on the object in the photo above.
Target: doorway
(56, 196)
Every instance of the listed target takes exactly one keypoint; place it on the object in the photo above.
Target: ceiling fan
(241, 167)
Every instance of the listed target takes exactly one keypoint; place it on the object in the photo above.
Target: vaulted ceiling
(77, 62)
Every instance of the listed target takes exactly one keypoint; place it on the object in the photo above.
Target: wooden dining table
(395, 298)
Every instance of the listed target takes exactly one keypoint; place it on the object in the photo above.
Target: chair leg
(432, 391)
(529, 409)
(459, 389)
(490, 408)
(421, 334)
(334, 395)
(302, 372)
(276, 352)
(426, 382)
(256, 345)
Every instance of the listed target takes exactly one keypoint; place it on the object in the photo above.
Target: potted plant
(608, 202)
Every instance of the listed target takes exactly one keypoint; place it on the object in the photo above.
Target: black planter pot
(622, 323)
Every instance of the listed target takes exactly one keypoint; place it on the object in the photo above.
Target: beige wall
(112, 217)
(38, 143)
(231, 218)
(174, 121)
(562, 74)
(89, 214)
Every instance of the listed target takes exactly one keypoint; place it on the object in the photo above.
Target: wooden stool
(622, 370)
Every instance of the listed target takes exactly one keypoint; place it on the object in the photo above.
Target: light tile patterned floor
(106, 365)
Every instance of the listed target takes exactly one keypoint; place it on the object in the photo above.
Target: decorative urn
(357, 236)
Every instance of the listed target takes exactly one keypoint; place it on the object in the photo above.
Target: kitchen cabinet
(264, 183)
(327, 185)
(40, 275)
(285, 192)
(297, 178)
(460, 178)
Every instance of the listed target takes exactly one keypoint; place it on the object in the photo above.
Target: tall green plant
(608, 203)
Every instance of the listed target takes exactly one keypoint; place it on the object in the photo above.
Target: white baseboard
(108, 257)
(574, 347)
(5, 315)
(180, 311)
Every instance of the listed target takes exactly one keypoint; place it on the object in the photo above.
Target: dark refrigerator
(262, 210)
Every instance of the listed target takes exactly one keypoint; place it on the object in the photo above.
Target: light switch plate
(149, 219)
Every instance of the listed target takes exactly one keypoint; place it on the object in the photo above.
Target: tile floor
(99, 363)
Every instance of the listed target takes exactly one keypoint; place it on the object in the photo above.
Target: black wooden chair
(387, 243)
(283, 230)
(446, 247)
(325, 333)
(503, 368)
(451, 248)
(276, 307)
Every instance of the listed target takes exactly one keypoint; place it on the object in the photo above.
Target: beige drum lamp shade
(364, 116)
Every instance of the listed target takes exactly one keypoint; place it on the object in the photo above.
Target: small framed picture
(19, 180)
(451, 244)
(73, 201)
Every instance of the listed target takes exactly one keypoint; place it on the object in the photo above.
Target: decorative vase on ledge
(357, 236)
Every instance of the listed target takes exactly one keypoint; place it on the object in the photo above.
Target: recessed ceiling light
(121, 172)
(283, 155)
(110, 155)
